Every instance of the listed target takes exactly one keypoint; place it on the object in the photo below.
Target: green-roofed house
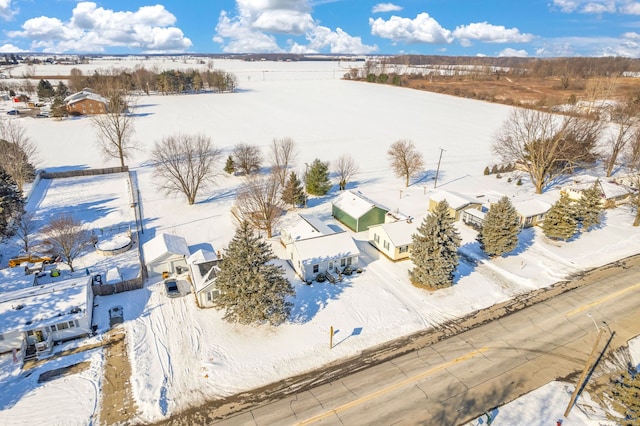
(356, 211)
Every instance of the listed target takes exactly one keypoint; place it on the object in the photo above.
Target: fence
(83, 172)
(126, 285)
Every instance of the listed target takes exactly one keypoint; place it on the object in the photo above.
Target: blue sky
(535, 28)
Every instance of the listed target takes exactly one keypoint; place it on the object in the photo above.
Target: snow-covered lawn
(182, 355)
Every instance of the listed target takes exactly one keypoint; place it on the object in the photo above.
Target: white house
(33, 318)
(165, 253)
(394, 239)
(307, 226)
(324, 253)
(203, 266)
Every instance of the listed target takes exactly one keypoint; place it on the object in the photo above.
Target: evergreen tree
(11, 202)
(293, 192)
(62, 90)
(590, 207)
(499, 234)
(45, 90)
(435, 250)
(252, 289)
(560, 222)
(229, 166)
(317, 180)
(487, 172)
(57, 107)
(624, 396)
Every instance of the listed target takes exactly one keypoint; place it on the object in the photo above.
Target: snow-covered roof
(43, 305)
(399, 232)
(355, 204)
(113, 275)
(307, 227)
(324, 247)
(532, 207)
(476, 213)
(202, 274)
(82, 95)
(610, 190)
(165, 244)
(202, 256)
(455, 200)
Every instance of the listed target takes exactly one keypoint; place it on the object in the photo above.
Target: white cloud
(93, 29)
(6, 10)
(422, 29)
(10, 48)
(598, 7)
(385, 7)
(252, 29)
(487, 33)
(509, 52)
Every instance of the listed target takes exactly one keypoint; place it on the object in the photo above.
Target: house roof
(610, 190)
(401, 232)
(307, 227)
(529, 208)
(455, 200)
(43, 305)
(203, 268)
(355, 204)
(12, 279)
(82, 95)
(165, 244)
(325, 247)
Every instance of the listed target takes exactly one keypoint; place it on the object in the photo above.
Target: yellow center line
(603, 300)
(393, 387)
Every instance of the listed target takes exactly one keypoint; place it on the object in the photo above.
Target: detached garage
(356, 211)
(166, 253)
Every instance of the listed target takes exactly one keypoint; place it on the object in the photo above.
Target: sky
(534, 28)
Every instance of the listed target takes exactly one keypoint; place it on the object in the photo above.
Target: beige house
(457, 202)
(531, 212)
(394, 239)
(613, 194)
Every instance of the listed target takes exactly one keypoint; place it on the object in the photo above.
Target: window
(331, 266)
(385, 243)
(315, 269)
(348, 261)
(376, 238)
(1, 337)
(343, 262)
(403, 249)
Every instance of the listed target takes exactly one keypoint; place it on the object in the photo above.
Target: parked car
(13, 112)
(171, 287)
(42, 115)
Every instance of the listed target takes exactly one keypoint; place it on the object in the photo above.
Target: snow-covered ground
(182, 355)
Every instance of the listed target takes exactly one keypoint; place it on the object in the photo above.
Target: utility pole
(587, 366)
(435, 182)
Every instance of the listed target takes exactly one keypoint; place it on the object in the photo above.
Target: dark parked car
(171, 287)
(13, 112)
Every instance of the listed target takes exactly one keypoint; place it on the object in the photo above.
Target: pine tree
(487, 172)
(317, 180)
(293, 192)
(590, 207)
(45, 90)
(560, 222)
(624, 396)
(57, 107)
(499, 234)
(229, 166)
(252, 289)
(11, 202)
(435, 250)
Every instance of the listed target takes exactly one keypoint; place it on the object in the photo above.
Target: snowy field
(182, 355)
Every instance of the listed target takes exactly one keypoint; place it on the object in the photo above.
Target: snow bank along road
(497, 355)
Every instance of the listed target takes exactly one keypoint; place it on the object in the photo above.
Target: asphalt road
(451, 381)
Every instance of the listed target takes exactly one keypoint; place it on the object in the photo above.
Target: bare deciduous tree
(246, 158)
(346, 169)
(115, 128)
(282, 154)
(545, 145)
(18, 152)
(626, 121)
(185, 164)
(406, 161)
(632, 159)
(259, 203)
(67, 237)
(25, 227)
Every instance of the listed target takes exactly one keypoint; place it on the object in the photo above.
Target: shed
(356, 211)
(457, 202)
(165, 253)
(312, 256)
(203, 266)
(394, 239)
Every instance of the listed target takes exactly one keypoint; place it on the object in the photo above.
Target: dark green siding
(375, 216)
(344, 218)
